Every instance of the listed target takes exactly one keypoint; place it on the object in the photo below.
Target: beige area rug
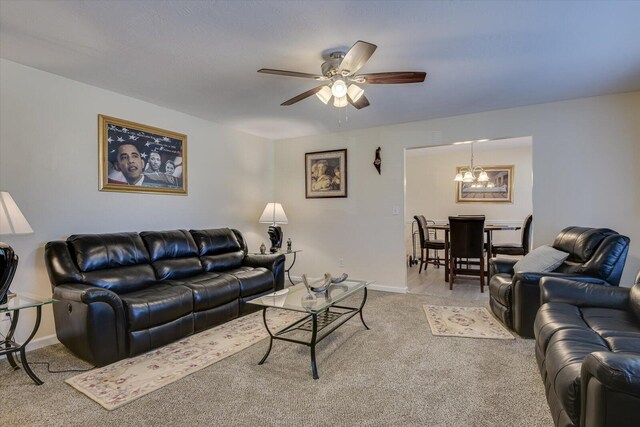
(122, 382)
(469, 322)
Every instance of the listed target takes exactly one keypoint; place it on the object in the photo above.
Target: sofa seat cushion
(253, 280)
(553, 317)
(160, 303)
(628, 344)
(500, 288)
(212, 289)
(611, 323)
(565, 352)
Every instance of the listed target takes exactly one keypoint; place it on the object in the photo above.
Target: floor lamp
(11, 222)
(274, 214)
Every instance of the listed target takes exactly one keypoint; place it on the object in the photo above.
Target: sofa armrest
(91, 322)
(273, 262)
(610, 389)
(501, 265)
(583, 294)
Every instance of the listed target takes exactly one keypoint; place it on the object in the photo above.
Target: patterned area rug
(122, 382)
(469, 322)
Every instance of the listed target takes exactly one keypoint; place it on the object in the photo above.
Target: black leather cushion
(99, 251)
(507, 249)
(253, 281)
(219, 249)
(215, 316)
(118, 262)
(608, 322)
(148, 339)
(555, 316)
(174, 254)
(624, 343)
(160, 303)
(580, 242)
(212, 289)
(500, 288)
(563, 359)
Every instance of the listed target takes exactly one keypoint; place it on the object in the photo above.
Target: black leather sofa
(123, 294)
(588, 351)
(596, 255)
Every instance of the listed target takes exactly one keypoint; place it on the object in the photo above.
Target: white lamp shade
(339, 88)
(273, 214)
(458, 177)
(324, 94)
(483, 177)
(355, 92)
(340, 102)
(11, 219)
(468, 177)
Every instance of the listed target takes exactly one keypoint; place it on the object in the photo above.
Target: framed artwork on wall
(140, 158)
(498, 189)
(326, 174)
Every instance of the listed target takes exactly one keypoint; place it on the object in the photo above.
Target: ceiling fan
(339, 75)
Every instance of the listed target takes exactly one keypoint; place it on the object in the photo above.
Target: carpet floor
(397, 373)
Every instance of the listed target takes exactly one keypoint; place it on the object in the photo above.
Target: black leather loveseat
(588, 351)
(596, 255)
(124, 294)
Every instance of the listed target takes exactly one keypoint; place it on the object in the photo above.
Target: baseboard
(373, 286)
(40, 343)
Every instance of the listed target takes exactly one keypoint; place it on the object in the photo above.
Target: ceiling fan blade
(303, 96)
(361, 103)
(397, 77)
(357, 56)
(291, 74)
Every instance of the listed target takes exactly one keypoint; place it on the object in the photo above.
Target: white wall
(431, 191)
(49, 164)
(586, 154)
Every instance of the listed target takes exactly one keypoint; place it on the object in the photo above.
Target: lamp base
(275, 235)
(9, 262)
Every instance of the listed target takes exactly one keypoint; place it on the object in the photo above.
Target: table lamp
(11, 222)
(274, 214)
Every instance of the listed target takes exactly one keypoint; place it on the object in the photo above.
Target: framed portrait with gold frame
(498, 189)
(138, 158)
(325, 174)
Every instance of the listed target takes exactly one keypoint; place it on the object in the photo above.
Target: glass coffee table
(325, 315)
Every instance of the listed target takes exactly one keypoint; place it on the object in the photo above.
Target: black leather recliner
(596, 255)
(123, 294)
(588, 352)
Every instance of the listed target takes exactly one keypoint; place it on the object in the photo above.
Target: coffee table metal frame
(320, 323)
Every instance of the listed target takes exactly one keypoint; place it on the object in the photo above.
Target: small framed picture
(498, 189)
(140, 158)
(326, 174)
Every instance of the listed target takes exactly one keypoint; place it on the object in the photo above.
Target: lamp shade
(355, 92)
(340, 102)
(324, 94)
(11, 219)
(273, 214)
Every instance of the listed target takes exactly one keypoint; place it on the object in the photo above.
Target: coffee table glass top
(297, 298)
(20, 301)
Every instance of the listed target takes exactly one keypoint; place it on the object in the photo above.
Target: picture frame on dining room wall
(142, 159)
(325, 174)
(499, 188)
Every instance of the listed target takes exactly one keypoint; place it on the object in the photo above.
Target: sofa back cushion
(174, 254)
(580, 242)
(118, 262)
(219, 249)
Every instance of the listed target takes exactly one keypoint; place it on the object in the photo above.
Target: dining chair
(516, 248)
(466, 241)
(428, 242)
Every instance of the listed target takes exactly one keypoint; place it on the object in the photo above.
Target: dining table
(488, 229)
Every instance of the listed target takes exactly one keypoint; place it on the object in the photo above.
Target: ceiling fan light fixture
(339, 88)
(355, 92)
(340, 101)
(324, 94)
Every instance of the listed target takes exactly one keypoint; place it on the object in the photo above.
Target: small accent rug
(122, 382)
(469, 322)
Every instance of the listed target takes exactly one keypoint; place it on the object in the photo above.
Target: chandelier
(468, 174)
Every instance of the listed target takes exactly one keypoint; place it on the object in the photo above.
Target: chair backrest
(423, 228)
(466, 236)
(526, 234)
(597, 252)
(8, 265)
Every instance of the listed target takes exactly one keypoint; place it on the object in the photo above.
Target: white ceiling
(201, 57)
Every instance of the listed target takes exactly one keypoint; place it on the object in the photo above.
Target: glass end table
(8, 346)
